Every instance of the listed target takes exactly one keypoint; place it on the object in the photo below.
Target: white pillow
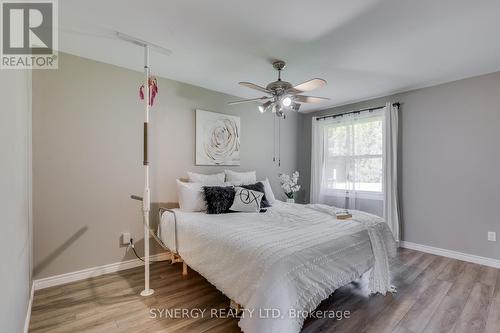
(246, 200)
(268, 191)
(214, 179)
(190, 196)
(240, 178)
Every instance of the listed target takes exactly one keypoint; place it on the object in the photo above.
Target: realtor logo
(29, 34)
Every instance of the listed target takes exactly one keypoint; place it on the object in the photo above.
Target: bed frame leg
(235, 306)
(175, 258)
(184, 269)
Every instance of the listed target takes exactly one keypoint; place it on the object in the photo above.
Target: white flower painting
(217, 139)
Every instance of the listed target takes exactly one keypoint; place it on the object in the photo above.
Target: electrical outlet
(492, 236)
(126, 238)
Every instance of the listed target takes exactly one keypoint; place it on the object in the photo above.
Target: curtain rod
(355, 111)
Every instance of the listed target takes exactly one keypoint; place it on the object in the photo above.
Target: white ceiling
(363, 48)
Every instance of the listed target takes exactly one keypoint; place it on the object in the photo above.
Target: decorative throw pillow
(218, 198)
(246, 200)
(214, 179)
(190, 196)
(259, 187)
(268, 191)
(238, 178)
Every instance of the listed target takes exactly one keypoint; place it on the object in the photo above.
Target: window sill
(354, 194)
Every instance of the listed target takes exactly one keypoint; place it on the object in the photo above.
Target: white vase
(290, 200)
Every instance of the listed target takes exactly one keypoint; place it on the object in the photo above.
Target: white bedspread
(290, 258)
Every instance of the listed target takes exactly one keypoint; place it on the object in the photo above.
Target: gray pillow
(246, 200)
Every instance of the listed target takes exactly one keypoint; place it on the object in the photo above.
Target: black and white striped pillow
(246, 200)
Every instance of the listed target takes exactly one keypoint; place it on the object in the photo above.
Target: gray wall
(15, 198)
(87, 156)
(449, 163)
(87, 138)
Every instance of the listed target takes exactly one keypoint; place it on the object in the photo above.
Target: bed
(284, 261)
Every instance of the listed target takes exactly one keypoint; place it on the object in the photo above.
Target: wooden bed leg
(184, 269)
(235, 306)
(175, 258)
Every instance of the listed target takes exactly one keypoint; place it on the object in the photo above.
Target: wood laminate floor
(435, 294)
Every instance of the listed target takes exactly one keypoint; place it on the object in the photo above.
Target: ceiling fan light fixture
(277, 107)
(264, 107)
(295, 106)
(286, 101)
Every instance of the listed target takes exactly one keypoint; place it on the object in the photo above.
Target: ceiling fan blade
(309, 99)
(255, 87)
(308, 86)
(249, 100)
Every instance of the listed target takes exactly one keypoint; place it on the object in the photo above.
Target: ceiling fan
(282, 95)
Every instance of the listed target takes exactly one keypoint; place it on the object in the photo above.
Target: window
(353, 154)
(354, 162)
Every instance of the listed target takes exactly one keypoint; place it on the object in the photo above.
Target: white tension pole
(146, 197)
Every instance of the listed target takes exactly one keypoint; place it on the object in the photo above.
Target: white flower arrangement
(289, 184)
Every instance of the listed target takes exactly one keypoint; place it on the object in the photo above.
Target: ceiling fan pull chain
(279, 142)
(274, 139)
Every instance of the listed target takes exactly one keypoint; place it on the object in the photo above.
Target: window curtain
(390, 164)
(385, 202)
(317, 160)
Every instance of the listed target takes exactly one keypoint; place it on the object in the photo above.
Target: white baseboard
(92, 272)
(451, 254)
(28, 310)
